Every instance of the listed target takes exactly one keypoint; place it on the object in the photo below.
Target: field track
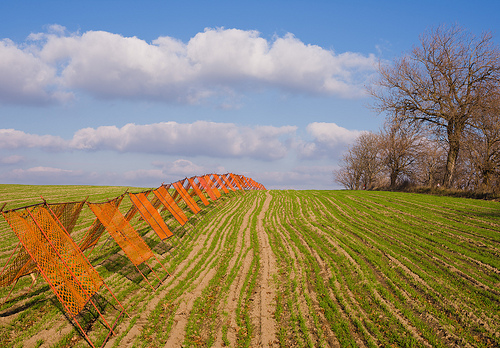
(287, 269)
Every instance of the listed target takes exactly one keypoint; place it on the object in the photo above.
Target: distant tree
(482, 145)
(441, 83)
(400, 146)
(347, 176)
(429, 168)
(361, 164)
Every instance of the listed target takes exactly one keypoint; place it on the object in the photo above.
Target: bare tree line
(442, 127)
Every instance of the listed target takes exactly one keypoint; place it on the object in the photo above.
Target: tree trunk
(394, 177)
(451, 161)
(454, 130)
(486, 179)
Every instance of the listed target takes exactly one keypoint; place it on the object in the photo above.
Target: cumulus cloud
(216, 63)
(200, 138)
(15, 139)
(329, 140)
(331, 134)
(180, 167)
(26, 78)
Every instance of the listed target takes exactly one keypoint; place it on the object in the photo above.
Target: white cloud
(200, 138)
(331, 134)
(181, 168)
(14, 139)
(329, 140)
(25, 78)
(217, 63)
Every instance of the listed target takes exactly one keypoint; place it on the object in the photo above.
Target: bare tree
(431, 161)
(441, 83)
(350, 172)
(482, 145)
(361, 164)
(400, 144)
(347, 176)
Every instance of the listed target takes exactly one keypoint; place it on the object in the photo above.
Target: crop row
(296, 269)
(378, 268)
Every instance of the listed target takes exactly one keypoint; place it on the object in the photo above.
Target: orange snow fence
(234, 181)
(151, 215)
(243, 181)
(122, 231)
(58, 258)
(96, 230)
(22, 264)
(219, 183)
(205, 186)
(247, 182)
(44, 234)
(227, 182)
(45, 245)
(197, 190)
(126, 237)
(181, 191)
(67, 213)
(211, 185)
(168, 202)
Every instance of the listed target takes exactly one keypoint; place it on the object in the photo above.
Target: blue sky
(145, 92)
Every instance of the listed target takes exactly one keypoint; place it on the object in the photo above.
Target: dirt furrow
(263, 318)
(181, 316)
(199, 243)
(230, 304)
(354, 310)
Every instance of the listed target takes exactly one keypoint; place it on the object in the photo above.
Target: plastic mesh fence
(151, 215)
(168, 202)
(60, 261)
(246, 182)
(211, 185)
(186, 197)
(67, 213)
(96, 230)
(22, 264)
(235, 181)
(219, 183)
(122, 232)
(198, 192)
(242, 182)
(227, 182)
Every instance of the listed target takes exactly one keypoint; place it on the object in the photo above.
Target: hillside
(283, 269)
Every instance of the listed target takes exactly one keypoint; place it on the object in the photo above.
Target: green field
(284, 269)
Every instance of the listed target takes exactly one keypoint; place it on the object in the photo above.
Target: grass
(353, 268)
